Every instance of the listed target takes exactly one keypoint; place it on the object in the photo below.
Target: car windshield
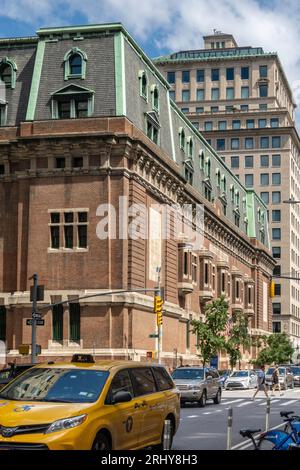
(271, 370)
(296, 370)
(57, 385)
(240, 373)
(223, 372)
(188, 374)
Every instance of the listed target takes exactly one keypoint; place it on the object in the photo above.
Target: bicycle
(276, 439)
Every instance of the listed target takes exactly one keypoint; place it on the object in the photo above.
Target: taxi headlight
(67, 423)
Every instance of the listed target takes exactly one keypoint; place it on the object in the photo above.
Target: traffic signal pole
(158, 295)
(34, 313)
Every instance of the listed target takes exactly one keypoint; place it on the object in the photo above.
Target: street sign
(38, 322)
(154, 335)
(36, 315)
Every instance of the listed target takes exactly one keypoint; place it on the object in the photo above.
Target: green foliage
(238, 337)
(278, 349)
(210, 333)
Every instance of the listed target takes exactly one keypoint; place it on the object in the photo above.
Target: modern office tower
(240, 99)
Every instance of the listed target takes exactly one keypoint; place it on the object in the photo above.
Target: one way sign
(37, 322)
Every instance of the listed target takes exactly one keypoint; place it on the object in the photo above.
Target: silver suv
(198, 384)
(286, 377)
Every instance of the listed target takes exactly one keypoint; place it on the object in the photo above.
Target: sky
(164, 26)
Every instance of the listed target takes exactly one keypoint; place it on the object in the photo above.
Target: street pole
(159, 327)
(34, 313)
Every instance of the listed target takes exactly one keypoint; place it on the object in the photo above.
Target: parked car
(198, 384)
(296, 373)
(286, 377)
(87, 405)
(10, 373)
(224, 374)
(241, 379)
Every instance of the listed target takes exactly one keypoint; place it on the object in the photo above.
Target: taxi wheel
(101, 442)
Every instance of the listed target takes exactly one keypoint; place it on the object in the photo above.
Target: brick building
(87, 119)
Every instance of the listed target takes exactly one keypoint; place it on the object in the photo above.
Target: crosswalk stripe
(244, 404)
(233, 401)
(288, 402)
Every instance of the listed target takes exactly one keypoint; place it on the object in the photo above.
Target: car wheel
(101, 442)
(218, 397)
(202, 401)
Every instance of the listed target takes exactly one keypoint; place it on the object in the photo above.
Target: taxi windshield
(57, 385)
(188, 374)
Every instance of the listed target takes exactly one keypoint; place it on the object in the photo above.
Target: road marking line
(243, 446)
(233, 401)
(244, 404)
(288, 403)
(193, 416)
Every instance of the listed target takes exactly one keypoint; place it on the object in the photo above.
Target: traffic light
(158, 309)
(272, 289)
(150, 355)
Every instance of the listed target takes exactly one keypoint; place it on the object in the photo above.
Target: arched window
(75, 62)
(143, 84)
(208, 167)
(8, 72)
(155, 98)
(190, 147)
(218, 175)
(201, 159)
(182, 138)
(224, 183)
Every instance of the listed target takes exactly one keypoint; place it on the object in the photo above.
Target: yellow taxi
(83, 405)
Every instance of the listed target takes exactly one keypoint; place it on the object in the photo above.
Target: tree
(238, 336)
(278, 349)
(210, 333)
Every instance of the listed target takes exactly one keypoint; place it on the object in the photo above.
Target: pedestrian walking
(261, 383)
(275, 381)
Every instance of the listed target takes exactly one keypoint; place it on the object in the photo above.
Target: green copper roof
(204, 54)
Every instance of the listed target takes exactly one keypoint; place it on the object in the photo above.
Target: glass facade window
(276, 327)
(276, 215)
(222, 125)
(264, 179)
(263, 106)
(200, 76)
(186, 76)
(276, 252)
(265, 197)
(221, 144)
(263, 91)
(250, 123)
(263, 71)
(276, 160)
(200, 94)
(244, 107)
(262, 123)
(248, 161)
(274, 122)
(228, 109)
(235, 144)
(276, 142)
(276, 234)
(264, 142)
(249, 181)
(229, 93)
(185, 110)
(245, 92)
(245, 73)
(277, 271)
(196, 125)
(264, 161)
(236, 124)
(215, 94)
(172, 95)
(276, 197)
(171, 77)
(249, 142)
(185, 95)
(235, 162)
(230, 73)
(276, 178)
(199, 110)
(215, 75)
(276, 308)
(208, 126)
(214, 109)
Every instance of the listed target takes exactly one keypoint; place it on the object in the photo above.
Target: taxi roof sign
(83, 358)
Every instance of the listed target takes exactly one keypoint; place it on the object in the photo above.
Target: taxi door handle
(144, 403)
(137, 406)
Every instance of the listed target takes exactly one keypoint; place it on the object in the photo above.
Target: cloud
(169, 25)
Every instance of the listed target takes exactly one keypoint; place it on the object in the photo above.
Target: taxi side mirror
(121, 397)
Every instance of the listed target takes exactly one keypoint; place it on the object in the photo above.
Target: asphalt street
(206, 428)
